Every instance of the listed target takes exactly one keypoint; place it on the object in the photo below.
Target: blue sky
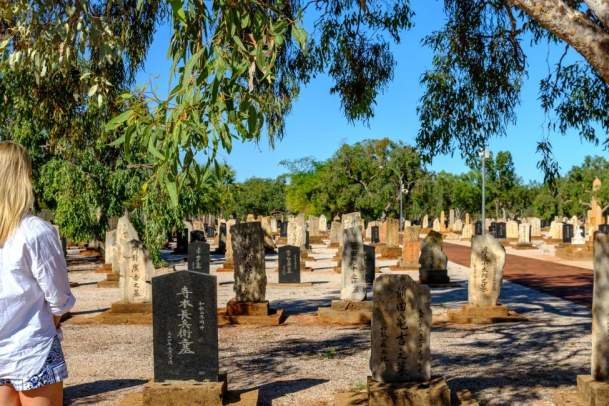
(316, 126)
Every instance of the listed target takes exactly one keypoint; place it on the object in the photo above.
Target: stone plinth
(105, 268)
(184, 393)
(125, 307)
(111, 281)
(228, 266)
(433, 392)
(346, 312)
(470, 314)
(591, 392)
(389, 252)
(256, 313)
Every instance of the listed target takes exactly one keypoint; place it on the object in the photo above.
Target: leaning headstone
(185, 327)
(289, 264)
(198, 257)
(400, 360)
(433, 261)
(593, 389)
(353, 266)
(248, 259)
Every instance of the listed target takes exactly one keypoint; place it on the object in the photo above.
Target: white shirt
(33, 287)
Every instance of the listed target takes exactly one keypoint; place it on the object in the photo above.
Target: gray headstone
(248, 257)
(353, 266)
(289, 264)
(198, 257)
(487, 262)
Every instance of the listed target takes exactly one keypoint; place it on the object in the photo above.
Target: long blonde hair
(16, 192)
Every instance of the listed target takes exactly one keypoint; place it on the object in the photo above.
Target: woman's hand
(57, 321)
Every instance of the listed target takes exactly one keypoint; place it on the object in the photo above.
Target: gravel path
(303, 362)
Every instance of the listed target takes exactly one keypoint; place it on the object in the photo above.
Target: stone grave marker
(198, 256)
(500, 231)
(401, 326)
(411, 248)
(138, 270)
(182, 241)
(433, 261)
(109, 247)
(487, 262)
(370, 260)
(600, 309)
(197, 235)
(283, 229)
(336, 232)
(351, 220)
(185, 327)
(392, 239)
(567, 233)
(221, 238)
(375, 237)
(289, 264)
(478, 227)
(524, 234)
(353, 266)
(323, 224)
(248, 260)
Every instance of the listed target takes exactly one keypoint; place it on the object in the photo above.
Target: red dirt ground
(567, 282)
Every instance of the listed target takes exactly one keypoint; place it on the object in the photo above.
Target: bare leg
(48, 395)
(9, 396)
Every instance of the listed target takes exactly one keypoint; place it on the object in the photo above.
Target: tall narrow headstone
(370, 260)
(323, 224)
(198, 257)
(567, 232)
(401, 326)
(182, 241)
(138, 272)
(109, 247)
(248, 259)
(336, 233)
(185, 327)
(392, 239)
(485, 279)
(524, 234)
(353, 266)
(600, 309)
(289, 264)
(375, 238)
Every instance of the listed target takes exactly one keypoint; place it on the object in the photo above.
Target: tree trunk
(574, 27)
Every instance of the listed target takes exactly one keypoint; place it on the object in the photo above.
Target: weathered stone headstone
(125, 233)
(274, 228)
(336, 233)
(353, 266)
(425, 221)
(401, 326)
(283, 229)
(297, 232)
(457, 226)
(185, 327)
(600, 309)
(411, 248)
(451, 218)
(442, 221)
(436, 226)
(228, 254)
(289, 264)
(370, 260)
(109, 247)
(487, 262)
(198, 257)
(221, 238)
(323, 224)
(433, 261)
(351, 220)
(524, 234)
(556, 230)
(138, 270)
(392, 238)
(313, 226)
(511, 230)
(535, 226)
(248, 259)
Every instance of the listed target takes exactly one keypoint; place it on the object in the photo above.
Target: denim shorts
(53, 371)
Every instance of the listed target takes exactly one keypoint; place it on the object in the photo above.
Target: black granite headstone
(493, 229)
(283, 229)
(567, 233)
(185, 327)
(289, 264)
(375, 235)
(307, 241)
(222, 239)
(430, 223)
(182, 241)
(500, 231)
(198, 257)
(197, 235)
(478, 227)
(370, 263)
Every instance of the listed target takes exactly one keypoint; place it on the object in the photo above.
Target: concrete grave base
(120, 313)
(346, 312)
(432, 393)
(290, 285)
(250, 313)
(469, 314)
(433, 277)
(105, 268)
(316, 239)
(226, 267)
(591, 392)
(187, 393)
(387, 252)
(574, 252)
(524, 246)
(111, 281)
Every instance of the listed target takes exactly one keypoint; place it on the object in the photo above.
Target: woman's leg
(9, 396)
(48, 395)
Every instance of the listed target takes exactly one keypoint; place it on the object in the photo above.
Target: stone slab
(105, 268)
(274, 318)
(107, 284)
(469, 314)
(346, 313)
(434, 392)
(126, 308)
(591, 392)
(290, 285)
(235, 308)
(184, 393)
(387, 252)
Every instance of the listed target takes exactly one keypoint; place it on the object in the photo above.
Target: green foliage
(258, 196)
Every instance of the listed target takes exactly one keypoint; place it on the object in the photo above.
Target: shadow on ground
(91, 389)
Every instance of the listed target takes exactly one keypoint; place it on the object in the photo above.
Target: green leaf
(118, 120)
(301, 36)
(120, 140)
(172, 189)
(92, 90)
(252, 120)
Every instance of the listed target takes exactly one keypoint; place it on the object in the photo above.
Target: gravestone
(109, 247)
(283, 229)
(185, 327)
(524, 234)
(442, 221)
(500, 231)
(182, 241)
(138, 269)
(478, 227)
(197, 235)
(248, 260)
(353, 266)
(370, 260)
(535, 223)
(487, 262)
(433, 261)
(313, 226)
(274, 228)
(351, 220)
(392, 239)
(297, 232)
(436, 226)
(125, 233)
(600, 309)
(411, 248)
(375, 238)
(323, 224)
(401, 326)
(336, 233)
(556, 230)
(221, 238)
(198, 257)
(567, 233)
(425, 221)
(511, 230)
(457, 226)
(289, 264)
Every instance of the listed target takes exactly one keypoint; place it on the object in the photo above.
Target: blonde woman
(34, 291)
